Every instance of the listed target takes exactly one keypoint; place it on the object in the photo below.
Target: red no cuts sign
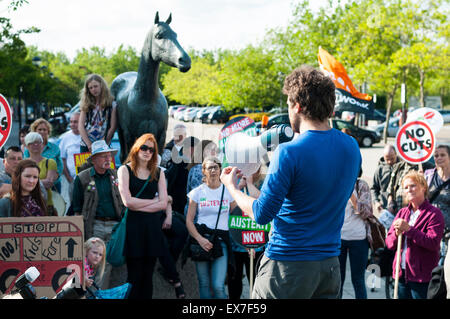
(5, 120)
(415, 142)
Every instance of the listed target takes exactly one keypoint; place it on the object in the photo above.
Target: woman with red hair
(142, 186)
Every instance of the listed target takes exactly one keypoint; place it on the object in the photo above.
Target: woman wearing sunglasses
(145, 240)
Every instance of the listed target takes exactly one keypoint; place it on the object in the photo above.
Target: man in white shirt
(70, 145)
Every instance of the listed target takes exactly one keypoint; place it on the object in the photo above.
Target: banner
(348, 98)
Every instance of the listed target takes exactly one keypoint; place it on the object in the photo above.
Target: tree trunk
(390, 101)
(421, 84)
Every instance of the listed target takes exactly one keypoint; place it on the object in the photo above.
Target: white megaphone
(246, 152)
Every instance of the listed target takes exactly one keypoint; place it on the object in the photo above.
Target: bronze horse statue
(141, 106)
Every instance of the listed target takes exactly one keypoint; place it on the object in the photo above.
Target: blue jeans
(358, 251)
(411, 290)
(212, 274)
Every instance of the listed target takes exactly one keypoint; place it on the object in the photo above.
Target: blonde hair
(418, 179)
(88, 100)
(39, 121)
(96, 242)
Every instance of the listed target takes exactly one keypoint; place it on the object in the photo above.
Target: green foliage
(379, 42)
(246, 78)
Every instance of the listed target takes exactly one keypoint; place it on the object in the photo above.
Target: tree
(199, 86)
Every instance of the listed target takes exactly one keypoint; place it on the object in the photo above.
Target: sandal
(179, 291)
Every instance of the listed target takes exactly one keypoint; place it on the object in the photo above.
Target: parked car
(189, 115)
(446, 115)
(278, 110)
(219, 115)
(173, 108)
(59, 123)
(255, 116)
(392, 128)
(202, 114)
(365, 137)
(75, 108)
(178, 114)
(349, 116)
(282, 118)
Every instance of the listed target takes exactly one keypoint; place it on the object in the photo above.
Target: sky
(69, 25)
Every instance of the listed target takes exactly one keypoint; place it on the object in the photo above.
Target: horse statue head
(141, 106)
(162, 45)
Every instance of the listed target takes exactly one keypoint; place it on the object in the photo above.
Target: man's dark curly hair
(313, 90)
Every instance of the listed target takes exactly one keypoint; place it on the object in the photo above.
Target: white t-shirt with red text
(208, 201)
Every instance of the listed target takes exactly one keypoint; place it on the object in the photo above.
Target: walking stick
(397, 265)
(252, 256)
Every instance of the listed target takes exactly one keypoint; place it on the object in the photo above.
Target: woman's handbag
(377, 234)
(116, 245)
(197, 253)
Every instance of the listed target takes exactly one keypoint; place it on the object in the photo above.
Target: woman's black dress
(145, 237)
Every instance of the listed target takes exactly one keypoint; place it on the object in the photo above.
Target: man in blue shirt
(308, 184)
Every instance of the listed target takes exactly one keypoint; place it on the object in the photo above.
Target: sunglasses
(145, 148)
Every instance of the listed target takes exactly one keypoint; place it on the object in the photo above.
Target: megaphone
(23, 283)
(246, 152)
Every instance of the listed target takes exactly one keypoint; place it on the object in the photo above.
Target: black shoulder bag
(196, 251)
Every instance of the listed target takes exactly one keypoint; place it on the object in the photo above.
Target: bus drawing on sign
(54, 247)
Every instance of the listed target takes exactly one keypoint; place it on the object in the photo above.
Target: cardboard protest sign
(54, 245)
(415, 142)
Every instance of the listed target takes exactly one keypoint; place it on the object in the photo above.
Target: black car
(218, 116)
(364, 137)
(202, 116)
(276, 119)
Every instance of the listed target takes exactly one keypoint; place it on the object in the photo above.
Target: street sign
(5, 120)
(415, 142)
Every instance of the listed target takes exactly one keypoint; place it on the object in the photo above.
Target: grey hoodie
(380, 182)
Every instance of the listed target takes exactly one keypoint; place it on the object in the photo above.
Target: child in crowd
(98, 113)
(95, 260)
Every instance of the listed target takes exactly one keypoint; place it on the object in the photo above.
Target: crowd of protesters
(168, 194)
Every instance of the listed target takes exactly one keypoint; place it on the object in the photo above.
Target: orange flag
(337, 73)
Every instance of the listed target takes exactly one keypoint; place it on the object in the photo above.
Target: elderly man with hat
(96, 197)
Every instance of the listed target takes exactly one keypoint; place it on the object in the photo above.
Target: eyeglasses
(145, 148)
(212, 168)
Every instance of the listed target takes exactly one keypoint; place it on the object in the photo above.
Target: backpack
(437, 288)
